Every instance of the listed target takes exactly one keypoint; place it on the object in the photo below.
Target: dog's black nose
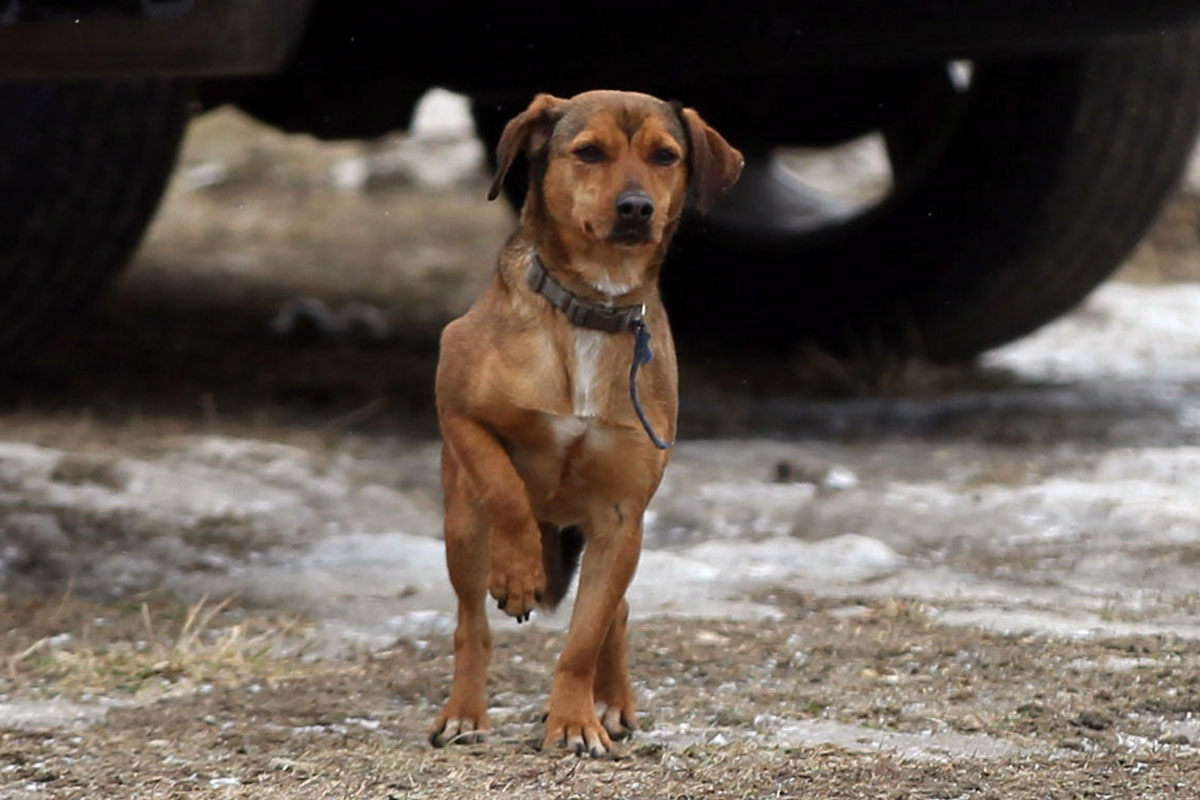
(634, 207)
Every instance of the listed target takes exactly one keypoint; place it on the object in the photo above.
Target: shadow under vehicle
(1029, 145)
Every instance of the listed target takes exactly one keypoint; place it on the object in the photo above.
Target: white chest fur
(585, 381)
(610, 287)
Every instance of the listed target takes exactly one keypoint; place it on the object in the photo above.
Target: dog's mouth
(630, 235)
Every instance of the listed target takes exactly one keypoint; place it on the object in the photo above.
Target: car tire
(1036, 189)
(82, 167)
(1012, 201)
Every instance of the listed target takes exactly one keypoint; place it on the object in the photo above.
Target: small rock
(306, 319)
(711, 638)
(650, 749)
(1095, 719)
(814, 471)
(970, 723)
(1073, 744)
(78, 469)
(801, 470)
(1174, 738)
(292, 765)
(40, 537)
(364, 322)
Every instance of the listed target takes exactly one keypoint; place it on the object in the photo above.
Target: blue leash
(601, 318)
(642, 354)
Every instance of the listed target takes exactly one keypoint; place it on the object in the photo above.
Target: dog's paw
(618, 719)
(458, 730)
(582, 734)
(518, 579)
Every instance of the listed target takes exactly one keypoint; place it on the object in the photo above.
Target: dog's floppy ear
(715, 164)
(522, 133)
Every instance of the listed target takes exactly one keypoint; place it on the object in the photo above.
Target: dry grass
(355, 729)
(143, 648)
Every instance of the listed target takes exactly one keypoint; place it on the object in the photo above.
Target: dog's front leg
(608, 566)
(464, 717)
(613, 689)
(517, 577)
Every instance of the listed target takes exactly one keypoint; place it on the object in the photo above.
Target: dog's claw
(455, 730)
(619, 724)
(581, 740)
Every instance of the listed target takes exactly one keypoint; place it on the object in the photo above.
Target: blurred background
(934, 502)
(285, 277)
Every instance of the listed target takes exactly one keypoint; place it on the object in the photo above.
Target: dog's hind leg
(464, 718)
(560, 557)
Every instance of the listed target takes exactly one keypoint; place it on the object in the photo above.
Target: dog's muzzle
(635, 210)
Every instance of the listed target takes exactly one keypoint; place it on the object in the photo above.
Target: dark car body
(1030, 143)
(522, 45)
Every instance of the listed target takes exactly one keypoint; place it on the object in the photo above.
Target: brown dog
(544, 447)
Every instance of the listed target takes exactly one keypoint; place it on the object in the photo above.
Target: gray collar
(610, 319)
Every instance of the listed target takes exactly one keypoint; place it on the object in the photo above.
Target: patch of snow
(847, 558)
(441, 114)
(1111, 664)
(931, 746)
(440, 151)
(1123, 332)
(1059, 624)
(53, 714)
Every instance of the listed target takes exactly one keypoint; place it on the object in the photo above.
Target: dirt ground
(828, 690)
(219, 556)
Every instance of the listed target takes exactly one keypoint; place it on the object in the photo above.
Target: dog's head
(615, 169)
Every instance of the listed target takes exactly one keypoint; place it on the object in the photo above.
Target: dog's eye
(664, 157)
(590, 154)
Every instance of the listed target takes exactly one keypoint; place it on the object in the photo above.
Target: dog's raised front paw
(518, 579)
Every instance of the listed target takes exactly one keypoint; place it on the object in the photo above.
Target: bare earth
(220, 570)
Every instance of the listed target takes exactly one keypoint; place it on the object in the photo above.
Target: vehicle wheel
(82, 168)
(1037, 181)
(1013, 197)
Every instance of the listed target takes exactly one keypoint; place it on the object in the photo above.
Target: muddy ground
(220, 571)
